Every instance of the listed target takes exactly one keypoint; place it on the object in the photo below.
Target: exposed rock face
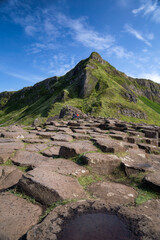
(132, 113)
(17, 216)
(68, 111)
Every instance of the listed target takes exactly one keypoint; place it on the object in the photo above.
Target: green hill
(94, 86)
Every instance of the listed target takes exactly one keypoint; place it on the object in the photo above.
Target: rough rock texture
(9, 176)
(153, 180)
(62, 137)
(48, 187)
(68, 111)
(102, 163)
(109, 145)
(63, 166)
(142, 220)
(28, 159)
(75, 148)
(17, 216)
(113, 192)
(135, 162)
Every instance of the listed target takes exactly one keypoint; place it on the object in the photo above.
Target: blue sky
(44, 38)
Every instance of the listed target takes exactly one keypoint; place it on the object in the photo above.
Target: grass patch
(24, 168)
(7, 163)
(22, 195)
(86, 180)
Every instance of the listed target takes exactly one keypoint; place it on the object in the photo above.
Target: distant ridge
(94, 86)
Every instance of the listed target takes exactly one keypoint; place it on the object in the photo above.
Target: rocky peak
(96, 56)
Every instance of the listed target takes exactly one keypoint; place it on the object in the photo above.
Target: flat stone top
(113, 192)
(100, 157)
(65, 186)
(63, 166)
(17, 216)
(25, 158)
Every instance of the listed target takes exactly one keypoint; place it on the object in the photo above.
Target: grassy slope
(105, 99)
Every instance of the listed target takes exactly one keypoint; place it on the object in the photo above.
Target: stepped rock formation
(70, 168)
(94, 87)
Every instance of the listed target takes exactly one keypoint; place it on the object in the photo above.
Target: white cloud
(152, 76)
(149, 8)
(120, 52)
(137, 34)
(25, 77)
(84, 34)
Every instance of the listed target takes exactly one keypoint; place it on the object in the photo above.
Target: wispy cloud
(124, 3)
(84, 34)
(136, 34)
(152, 76)
(120, 52)
(149, 8)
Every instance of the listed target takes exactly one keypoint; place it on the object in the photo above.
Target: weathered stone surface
(53, 223)
(63, 166)
(75, 148)
(144, 219)
(51, 152)
(17, 135)
(29, 159)
(102, 163)
(9, 176)
(45, 134)
(135, 162)
(149, 148)
(17, 216)
(153, 180)
(139, 219)
(109, 145)
(67, 112)
(48, 187)
(35, 140)
(113, 192)
(36, 147)
(10, 146)
(62, 137)
(79, 136)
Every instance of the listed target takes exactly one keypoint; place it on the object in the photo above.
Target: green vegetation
(93, 86)
(135, 181)
(86, 180)
(22, 195)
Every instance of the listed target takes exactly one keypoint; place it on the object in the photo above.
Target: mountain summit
(94, 86)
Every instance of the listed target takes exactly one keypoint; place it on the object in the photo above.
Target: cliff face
(94, 86)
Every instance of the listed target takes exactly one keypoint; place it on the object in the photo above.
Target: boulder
(48, 187)
(136, 161)
(102, 163)
(75, 148)
(68, 111)
(110, 145)
(9, 176)
(51, 152)
(63, 166)
(62, 137)
(28, 159)
(17, 216)
(153, 180)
